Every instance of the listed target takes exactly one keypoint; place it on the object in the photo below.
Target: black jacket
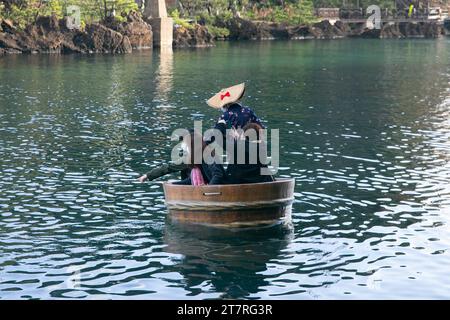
(212, 173)
(247, 172)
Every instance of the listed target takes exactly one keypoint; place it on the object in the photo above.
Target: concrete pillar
(162, 32)
(155, 9)
(162, 25)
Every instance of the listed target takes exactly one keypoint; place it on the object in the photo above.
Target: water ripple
(366, 139)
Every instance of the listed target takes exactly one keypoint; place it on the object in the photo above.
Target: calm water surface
(364, 128)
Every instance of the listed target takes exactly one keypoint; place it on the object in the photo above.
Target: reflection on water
(164, 77)
(364, 129)
(213, 257)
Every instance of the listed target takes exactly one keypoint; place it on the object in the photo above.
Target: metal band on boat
(220, 206)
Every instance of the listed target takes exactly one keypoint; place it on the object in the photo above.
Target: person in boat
(250, 171)
(165, 169)
(234, 116)
(202, 173)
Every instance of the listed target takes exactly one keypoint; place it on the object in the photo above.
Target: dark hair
(190, 139)
(253, 126)
(232, 104)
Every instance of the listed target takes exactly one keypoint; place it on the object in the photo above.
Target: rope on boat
(220, 206)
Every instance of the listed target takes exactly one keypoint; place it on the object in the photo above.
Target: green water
(364, 128)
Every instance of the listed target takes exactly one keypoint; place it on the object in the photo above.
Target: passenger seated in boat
(234, 115)
(165, 169)
(204, 173)
(250, 170)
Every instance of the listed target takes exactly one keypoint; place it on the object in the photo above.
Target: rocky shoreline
(247, 30)
(50, 35)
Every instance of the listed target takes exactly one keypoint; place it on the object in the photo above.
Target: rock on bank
(196, 36)
(241, 29)
(51, 35)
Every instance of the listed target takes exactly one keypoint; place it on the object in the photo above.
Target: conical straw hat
(227, 96)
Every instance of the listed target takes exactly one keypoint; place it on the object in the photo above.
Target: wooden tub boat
(230, 204)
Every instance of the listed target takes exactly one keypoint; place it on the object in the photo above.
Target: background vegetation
(24, 12)
(211, 13)
(286, 11)
(289, 11)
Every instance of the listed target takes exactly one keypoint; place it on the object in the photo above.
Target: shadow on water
(224, 260)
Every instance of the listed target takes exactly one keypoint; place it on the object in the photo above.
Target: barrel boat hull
(266, 202)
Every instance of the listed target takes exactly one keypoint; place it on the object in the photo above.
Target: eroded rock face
(137, 30)
(271, 31)
(411, 30)
(7, 26)
(370, 33)
(325, 30)
(397, 30)
(51, 35)
(9, 43)
(344, 28)
(48, 34)
(390, 30)
(241, 29)
(301, 32)
(100, 39)
(198, 36)
(432, 30)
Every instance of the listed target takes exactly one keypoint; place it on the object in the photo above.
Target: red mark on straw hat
(222, 96)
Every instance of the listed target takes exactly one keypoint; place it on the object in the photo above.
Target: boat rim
(278, 180)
